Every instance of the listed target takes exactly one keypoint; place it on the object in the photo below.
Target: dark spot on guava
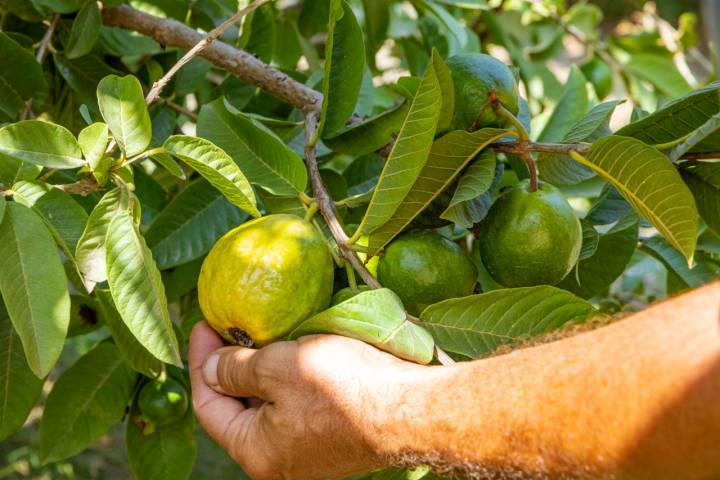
(241, 337)
(88, 315)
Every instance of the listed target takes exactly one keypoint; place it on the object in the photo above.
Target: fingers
(224, 418)
(233, 371)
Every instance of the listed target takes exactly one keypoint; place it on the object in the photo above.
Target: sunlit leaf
(652, 185)
(33, 286)
(85, 31)
(41, 143)
(376, 317)
(477, 325)
(122, 105)
(216, 167)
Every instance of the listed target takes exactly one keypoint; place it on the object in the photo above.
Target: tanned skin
(637, 399)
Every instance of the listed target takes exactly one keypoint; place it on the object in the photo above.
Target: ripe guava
(162, 402)
(423, 268)
(475, 76)
(263, 278)
(530, 238)
(599, 74)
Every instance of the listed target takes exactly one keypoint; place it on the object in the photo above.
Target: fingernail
(210, 370)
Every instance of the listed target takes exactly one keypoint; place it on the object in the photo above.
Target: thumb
(233, 371)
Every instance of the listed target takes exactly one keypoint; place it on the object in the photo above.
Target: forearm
(637, 399)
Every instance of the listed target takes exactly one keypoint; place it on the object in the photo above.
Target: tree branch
(242, 64)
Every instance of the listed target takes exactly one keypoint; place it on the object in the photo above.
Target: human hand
(321, 407)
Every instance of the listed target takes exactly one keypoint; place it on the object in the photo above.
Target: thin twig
(180, 109)
(40, 57)
(157, 87)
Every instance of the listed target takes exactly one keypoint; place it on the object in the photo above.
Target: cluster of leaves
(109, 206)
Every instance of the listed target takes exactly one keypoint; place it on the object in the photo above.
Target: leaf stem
(311, 211)
(351, 277)
(672, 143)
(524, 137)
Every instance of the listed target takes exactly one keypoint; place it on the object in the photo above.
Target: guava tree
(384, 149)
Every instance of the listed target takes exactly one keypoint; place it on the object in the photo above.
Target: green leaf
(260, 154)
(191, 224)
(650, 183)
(560, 169)
(3, 202)
(344, 65)
(33, 286)
(570, 109)
(477, 325)
(122, 105)
(699, 274)
(369, 135)
(408, 154)
(21, 77)
(660, 71)
(590, 241)
(41, 143)
(613, 253)
(448, 156)
(476, 180)
(93, 141)
(704, 131)
(137, 289)
(63, 216)
(87, 399)
(134, 354)
(19, 387)
(678, 118)
(376, 317)
(90, 251)
(468, 213)
(216, 167)
(447, 93)
(83, 75)
(85, 31)
(167, 453)
(12, 170)
(703, 178)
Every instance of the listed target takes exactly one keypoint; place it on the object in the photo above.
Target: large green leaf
(570, 109)
(678, 118)
(166, 453)
(33, 286)
(64, 217)
(703, 178)
(371, 134)
(263, 157)
(87, 399)
(448, 156)
(19, 387)
(408, 155)
(344, 65)
(660, 71)
(706, 130)
(122, 105)
(134, 354)
(21, 76)
(90, 251)
(376, 317)
(216, 167)
(85, 31)
(699, 274)
(560, 169)
(477, 325)
(612, 254)
(650, 183)
(41, 143)
(191, 224)
(137, 289)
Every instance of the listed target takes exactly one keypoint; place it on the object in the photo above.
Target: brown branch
(524, 147)
(327, 206)
(242, 64)
(40, 57)
(203, 44)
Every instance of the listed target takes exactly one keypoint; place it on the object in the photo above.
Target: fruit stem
(351, 277)
(311, 211)
(532, 169)
(503, 112)
(492, 100)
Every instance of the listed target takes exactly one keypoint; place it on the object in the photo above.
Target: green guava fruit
(423, 268)
(162, 402)
(530, 238)
(263, 278)
(347, 293)
(474, 76)
(599, 74)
